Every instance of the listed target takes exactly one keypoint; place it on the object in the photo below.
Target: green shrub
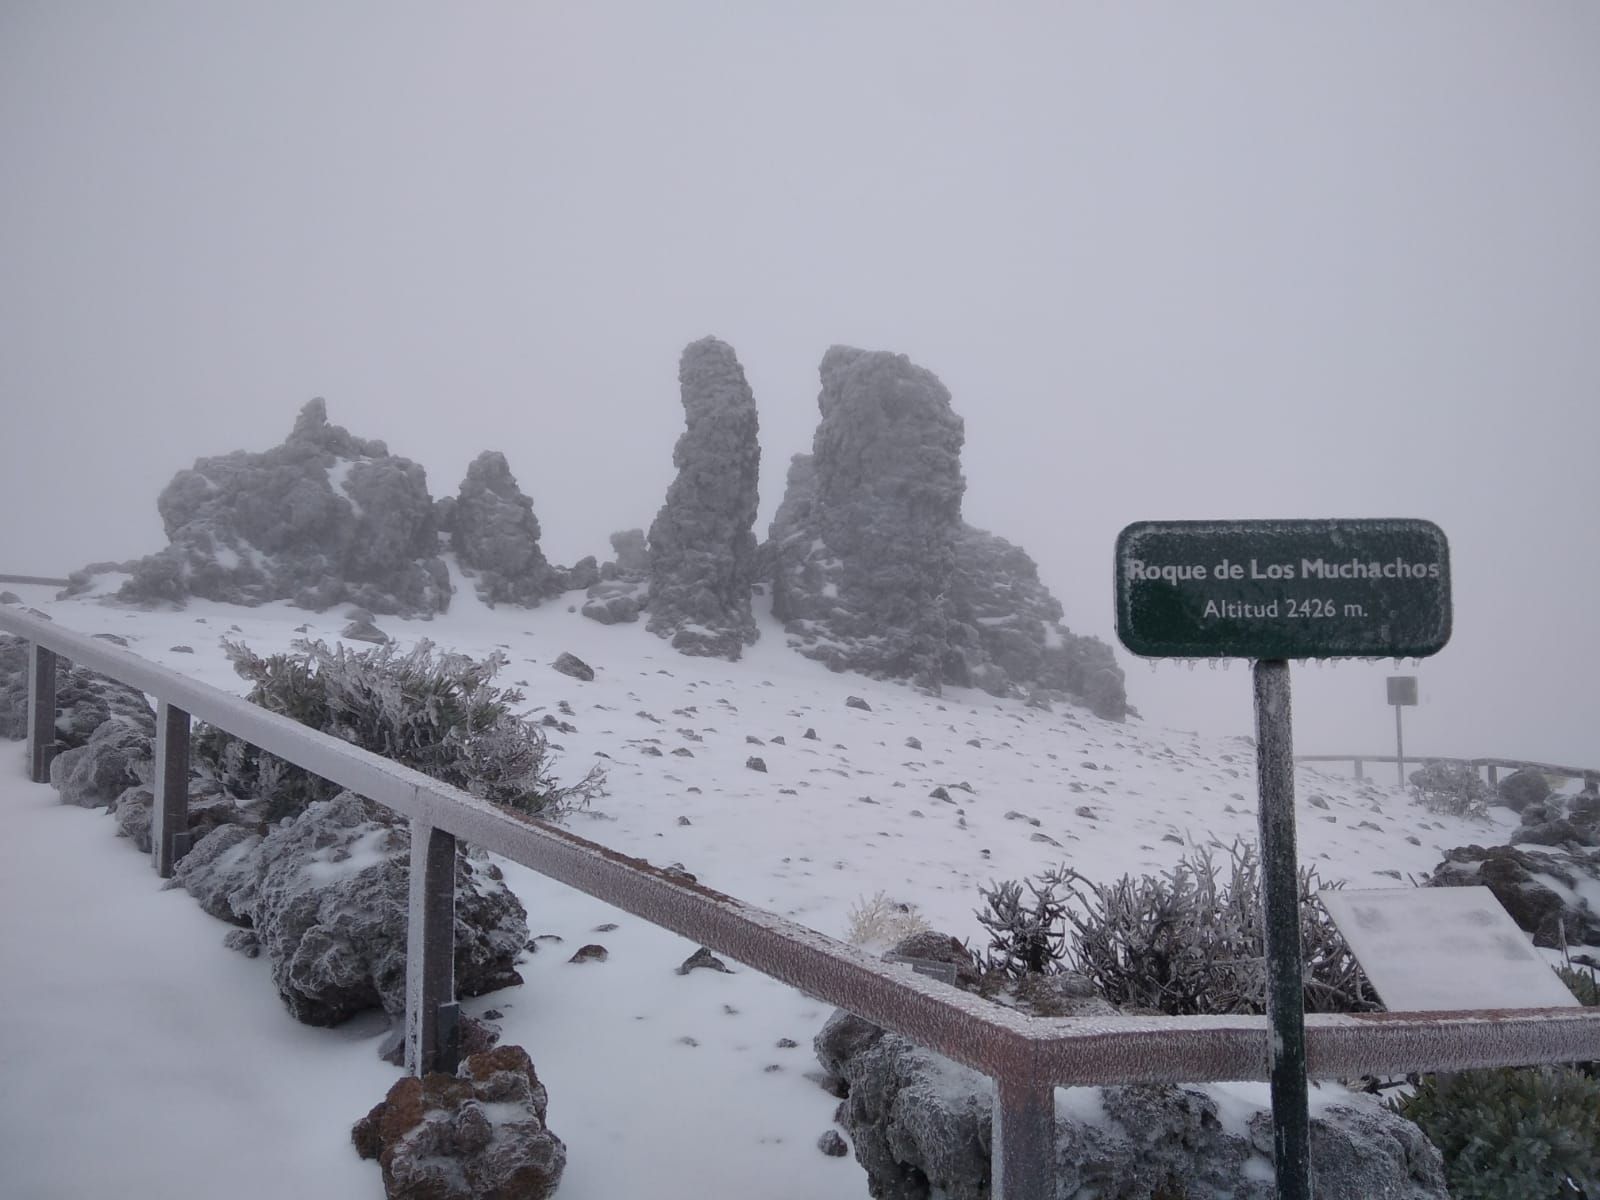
(1452, 788)
(1513, 1134)
(1192, 940)
(1582, 984)
(437, 713)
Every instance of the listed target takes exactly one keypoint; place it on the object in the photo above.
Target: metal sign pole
(1399, 748)
(1280, 883)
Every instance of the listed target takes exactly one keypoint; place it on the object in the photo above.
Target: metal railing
(1493, 765)
(42, 580)
(1027, 1057)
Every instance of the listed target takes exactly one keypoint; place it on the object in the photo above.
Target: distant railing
(1027, 1057)
(42, 580)
(1493, 765)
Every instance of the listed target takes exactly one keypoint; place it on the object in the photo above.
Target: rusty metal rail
(1027, 1057)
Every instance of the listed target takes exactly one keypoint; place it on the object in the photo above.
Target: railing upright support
(1023, 1155)
(41, 711)
(169, 819)
(433, 1039)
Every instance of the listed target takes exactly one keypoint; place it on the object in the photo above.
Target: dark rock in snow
(1522, 788)
(571, 664)
(323, 519)
(702, 550)
(703, 958)
(756, 764)
(1534, 886)
(477, 1135)
(617, 601)
(831, 1144)
(364, 631)
(496, 537)
(632, 551)
(117, 757)
(857, 702)
(327, 896)
(594, 952)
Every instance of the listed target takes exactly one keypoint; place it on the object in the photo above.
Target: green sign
(1283, 589)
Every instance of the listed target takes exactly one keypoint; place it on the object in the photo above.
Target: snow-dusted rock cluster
(326, 893)
(702, 549)
(922, 1126)
(871, 566)
(478, 1133)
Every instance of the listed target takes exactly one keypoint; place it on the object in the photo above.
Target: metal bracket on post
(1280, 888)
(41, 711)
(169, 820)
(1023, 1158)
(433, 1039)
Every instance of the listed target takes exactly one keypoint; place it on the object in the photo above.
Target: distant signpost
(1272, 591)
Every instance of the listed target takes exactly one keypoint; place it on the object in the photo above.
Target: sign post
(1402, 691)
(1272, 591)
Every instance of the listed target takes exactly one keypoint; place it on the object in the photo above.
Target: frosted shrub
(435, 712)
(1452, 788)
(1185, 942)
(1531, 1133)
(880, 921)
(1026, 937)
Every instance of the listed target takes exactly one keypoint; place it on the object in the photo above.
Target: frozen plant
(1452, 788)
(435, 712)
(880, 921)
(1026, 937)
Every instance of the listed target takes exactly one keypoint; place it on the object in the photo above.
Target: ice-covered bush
(879, 920)
(1452, 788)
(1188, 941)
(1532, 1133)
(432, 711)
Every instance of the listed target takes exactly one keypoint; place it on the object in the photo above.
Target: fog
(1218, 261)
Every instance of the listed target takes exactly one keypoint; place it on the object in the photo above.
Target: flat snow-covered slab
(1444, 949)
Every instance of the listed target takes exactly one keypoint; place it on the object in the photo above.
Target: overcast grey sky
(1172, 260)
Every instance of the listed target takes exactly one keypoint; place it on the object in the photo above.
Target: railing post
(1023, 1154)
(1358, 769)
(1494, 775)
(169, 818)
(433, 1041)
(41, 711)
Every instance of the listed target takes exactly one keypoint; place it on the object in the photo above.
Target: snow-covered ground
(136, 1049)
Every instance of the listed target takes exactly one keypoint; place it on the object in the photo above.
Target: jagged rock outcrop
(922, 1126)
(323, 519)
(327, 894)
(477, 1135)
(495, 535)
(702, 548)
(874, 570)
(865, 541)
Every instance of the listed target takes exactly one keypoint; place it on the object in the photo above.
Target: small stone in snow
(857, 702)
(703, 958)
(594, 952)
(811, 735)
(832, 1144)
(755, 764)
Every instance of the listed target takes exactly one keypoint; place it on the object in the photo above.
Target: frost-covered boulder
(622, 590)
(85, 700)
(322, 519)
(1522, 788)
(702, 550)
(495, 535)
(477, 1135)
(117, 756)
(865, 540)
(326, 893)
(632, 551)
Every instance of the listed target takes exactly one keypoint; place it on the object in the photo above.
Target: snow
(185, 1077)
(338, 475)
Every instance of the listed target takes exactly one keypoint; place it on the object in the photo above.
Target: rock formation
(496, 536)
(702, 550)
(322, 519)
(327, 894)
(874, 570)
